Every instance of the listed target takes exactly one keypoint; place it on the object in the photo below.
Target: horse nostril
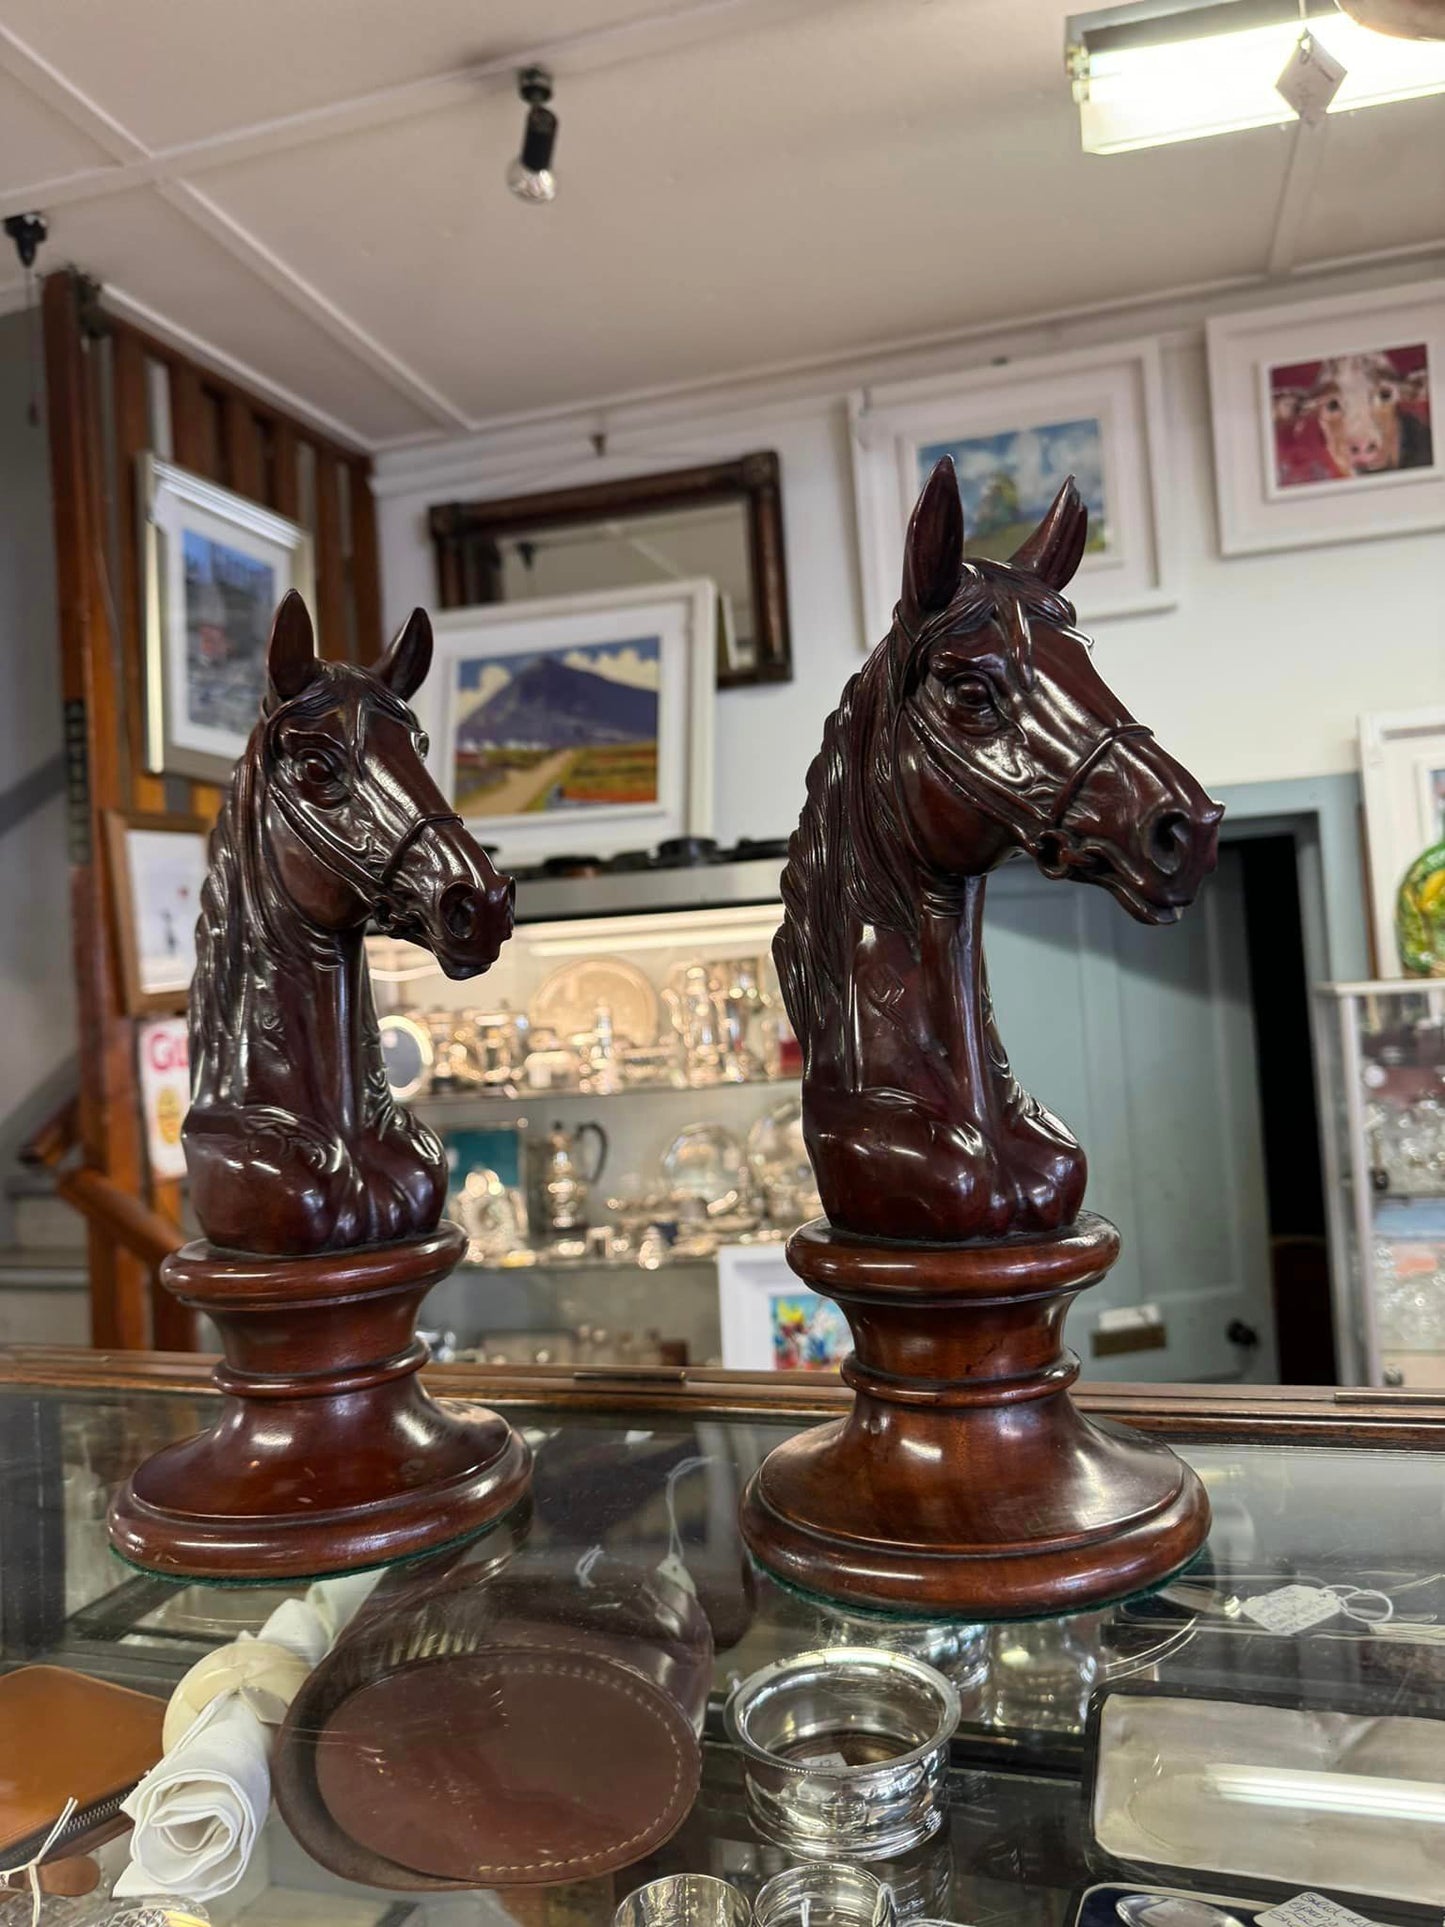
(1169, 838)
(462, 909)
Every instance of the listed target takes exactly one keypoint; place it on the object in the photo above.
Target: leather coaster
(514, 1766)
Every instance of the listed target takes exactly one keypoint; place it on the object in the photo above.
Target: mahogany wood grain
(320, 1195)
(964, 1480)
(327, 1454)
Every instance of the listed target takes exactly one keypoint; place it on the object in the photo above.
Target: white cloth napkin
(197, 1815)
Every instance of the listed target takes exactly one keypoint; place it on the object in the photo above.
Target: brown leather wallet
(65, 1736)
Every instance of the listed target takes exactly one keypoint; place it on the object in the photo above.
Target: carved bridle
(1015, 807)
(341, 859)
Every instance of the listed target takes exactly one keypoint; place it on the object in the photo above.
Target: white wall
(1257, 675)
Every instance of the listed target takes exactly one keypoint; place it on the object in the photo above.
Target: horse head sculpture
(978, 730)
(293, 1140)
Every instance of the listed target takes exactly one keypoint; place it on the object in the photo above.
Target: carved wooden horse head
(978, 730)
(293, 1140)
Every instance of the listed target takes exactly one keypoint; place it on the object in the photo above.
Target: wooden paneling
(220, 431)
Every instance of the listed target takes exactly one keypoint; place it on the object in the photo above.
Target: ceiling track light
(530, 175)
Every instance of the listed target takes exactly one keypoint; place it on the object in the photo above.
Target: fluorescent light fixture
(1173, 70)
(1352, 1794)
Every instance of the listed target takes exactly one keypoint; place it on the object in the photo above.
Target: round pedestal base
(327, 1455)
(964, 1483)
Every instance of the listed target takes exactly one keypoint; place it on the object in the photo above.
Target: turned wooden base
(964, 1482)
(327, 1455)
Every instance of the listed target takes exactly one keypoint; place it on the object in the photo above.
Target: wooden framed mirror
(723, 520)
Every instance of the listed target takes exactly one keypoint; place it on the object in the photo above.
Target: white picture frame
(214, 566)
(617, 635)
(1026, 417)
(770, 1320)
(1401, 753)
(1278, 474)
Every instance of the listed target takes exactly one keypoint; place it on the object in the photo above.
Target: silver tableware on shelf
(407, 1052)
(705, 1162)
(693, 1008)
(952, 1647)
(845, 1750)
(825, 1894)
(684, 1900)
(559, 1180)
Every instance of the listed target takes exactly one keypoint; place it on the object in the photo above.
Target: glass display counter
(533, 1727)
(1383, 1083)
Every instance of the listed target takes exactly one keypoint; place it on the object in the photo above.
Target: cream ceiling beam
(642, 37)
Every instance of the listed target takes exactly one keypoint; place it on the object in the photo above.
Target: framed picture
(579, 724)
(1014, 432)
(770, 1321)
(157, 867)
(214, 566)
(1327, 420)
(1402, 772)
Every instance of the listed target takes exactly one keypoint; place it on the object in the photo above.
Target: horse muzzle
(1141, 827)
(472, 922)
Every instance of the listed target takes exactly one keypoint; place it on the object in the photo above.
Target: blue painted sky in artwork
(1037, 459)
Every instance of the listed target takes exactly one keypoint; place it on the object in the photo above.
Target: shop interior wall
(1255, 677)
(37, 1001)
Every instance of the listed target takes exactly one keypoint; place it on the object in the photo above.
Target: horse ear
(1055, 549)
(403, 668)
(291, 653)
(933, 551)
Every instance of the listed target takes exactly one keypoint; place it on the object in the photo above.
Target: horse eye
(973, 692)
(423, 744)
(1332, 406)
(1384, 392)
(315, 766)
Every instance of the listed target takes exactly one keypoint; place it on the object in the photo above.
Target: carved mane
(243, 933)
(850, 843)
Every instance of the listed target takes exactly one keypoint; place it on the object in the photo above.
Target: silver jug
(558, 1180)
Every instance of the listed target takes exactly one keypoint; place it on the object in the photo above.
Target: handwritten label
(1311, 1910)
(1292, 1609)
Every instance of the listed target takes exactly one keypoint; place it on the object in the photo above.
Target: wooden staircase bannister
(115, 1213)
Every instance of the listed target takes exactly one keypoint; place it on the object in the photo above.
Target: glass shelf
(453, 1104)
(589, 1261)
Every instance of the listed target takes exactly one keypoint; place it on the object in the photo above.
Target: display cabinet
(619, 1097)
(1382, 1049)
(1268, 1724)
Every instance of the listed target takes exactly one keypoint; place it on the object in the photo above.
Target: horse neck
(289, 1019)
(950, 938)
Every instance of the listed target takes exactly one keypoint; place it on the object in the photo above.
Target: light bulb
(531, 183)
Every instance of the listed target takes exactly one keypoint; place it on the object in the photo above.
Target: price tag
(1311, 1910)
(1292, 1609)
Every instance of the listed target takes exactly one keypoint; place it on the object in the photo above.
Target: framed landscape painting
(1015, 431)
(578, 725)
(214, 566)
(1328, 419)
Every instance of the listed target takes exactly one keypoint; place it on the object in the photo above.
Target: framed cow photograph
(1328, 422)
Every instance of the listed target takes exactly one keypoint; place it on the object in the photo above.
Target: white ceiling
(313, 188)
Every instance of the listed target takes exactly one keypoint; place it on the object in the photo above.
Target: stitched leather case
(64, 1736)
